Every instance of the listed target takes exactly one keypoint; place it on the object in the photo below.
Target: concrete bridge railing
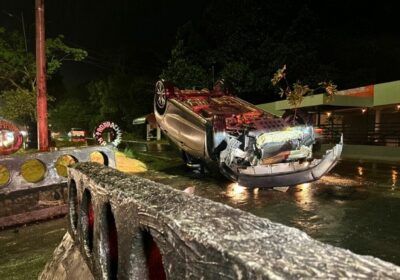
(17, 168)
(127, 227)
(33, 186)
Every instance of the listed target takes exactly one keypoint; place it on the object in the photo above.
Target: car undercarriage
(250, 146)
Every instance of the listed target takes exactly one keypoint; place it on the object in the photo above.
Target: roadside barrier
(128, 227)
(33, 187)
(19, 172)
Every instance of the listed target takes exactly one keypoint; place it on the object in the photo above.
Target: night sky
(143, 32)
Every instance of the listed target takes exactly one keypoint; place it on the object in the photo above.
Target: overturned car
(249, 145)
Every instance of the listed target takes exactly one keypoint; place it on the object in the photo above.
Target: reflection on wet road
(356, 206)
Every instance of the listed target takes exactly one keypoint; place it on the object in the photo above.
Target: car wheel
(192, 162)
(160, 97)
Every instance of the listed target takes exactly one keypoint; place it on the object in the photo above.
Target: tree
(18, 73)
(71, 112)
(183, 70)
(18, 105)
(121, 97)
(17, 67)
(295, 94)
(244, 42)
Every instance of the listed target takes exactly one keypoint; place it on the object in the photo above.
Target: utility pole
(41, 90)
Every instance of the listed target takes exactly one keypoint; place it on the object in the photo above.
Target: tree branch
(11, 81)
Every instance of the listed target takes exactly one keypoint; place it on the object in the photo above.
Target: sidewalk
(368, 152)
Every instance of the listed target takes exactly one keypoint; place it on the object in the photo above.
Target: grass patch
(130, 153)
(25, 250)
(159, 162)
(155, 161)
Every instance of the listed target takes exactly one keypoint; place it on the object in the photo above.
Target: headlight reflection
(237, 193)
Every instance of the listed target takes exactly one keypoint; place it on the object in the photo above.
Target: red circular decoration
(114, 128)
(5, 128)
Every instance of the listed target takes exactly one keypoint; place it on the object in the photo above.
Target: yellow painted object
(4, 175)
(62, 163)
(96, 157)
(33, 170)
(129, 165)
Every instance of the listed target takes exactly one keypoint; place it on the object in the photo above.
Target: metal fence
(378, 134)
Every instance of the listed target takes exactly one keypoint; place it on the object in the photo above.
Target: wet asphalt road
(356, 206)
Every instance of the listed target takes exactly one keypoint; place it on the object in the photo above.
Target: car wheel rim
(161, 96)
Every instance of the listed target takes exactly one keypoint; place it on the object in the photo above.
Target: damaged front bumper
(284, 174)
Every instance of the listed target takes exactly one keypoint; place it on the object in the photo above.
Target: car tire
(192, 162)
(161, 97)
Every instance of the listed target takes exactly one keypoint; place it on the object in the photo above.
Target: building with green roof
(367, 115)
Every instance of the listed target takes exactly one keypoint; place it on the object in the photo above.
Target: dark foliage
(245, 42)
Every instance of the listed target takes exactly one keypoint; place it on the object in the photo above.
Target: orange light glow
(318, 130)
(394, 178)
(237, 193)
(304, 196)
(305, 185)
(255, 193)
(360, 170)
